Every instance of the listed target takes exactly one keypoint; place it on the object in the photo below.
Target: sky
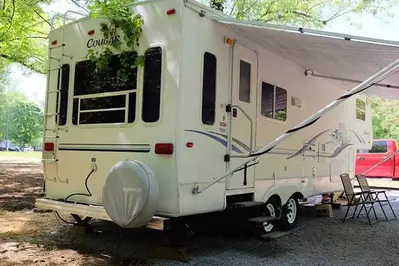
(34, 85)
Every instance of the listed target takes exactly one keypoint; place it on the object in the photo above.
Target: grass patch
(33, 154)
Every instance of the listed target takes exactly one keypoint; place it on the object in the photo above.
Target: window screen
(152, 85)
(245, 81)
(119, 78)
(62, 95)
(360, 110)
(209, 89)
(274, 102)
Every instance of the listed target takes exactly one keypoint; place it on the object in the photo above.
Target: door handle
(361, 159)
(234, 112)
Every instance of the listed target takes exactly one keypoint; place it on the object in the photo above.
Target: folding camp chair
(374, 195)
(356, 199)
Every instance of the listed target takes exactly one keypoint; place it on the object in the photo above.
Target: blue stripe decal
(220, 140)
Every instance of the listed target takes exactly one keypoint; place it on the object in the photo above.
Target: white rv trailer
(213, 91)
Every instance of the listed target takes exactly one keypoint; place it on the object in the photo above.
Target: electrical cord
(87, 188)
(57, 216)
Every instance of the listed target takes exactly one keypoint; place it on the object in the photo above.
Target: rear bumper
(96, 212)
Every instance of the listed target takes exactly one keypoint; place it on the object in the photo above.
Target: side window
(274, 102)
(360, 110)
(245, 82)
(281, 104)
(62, 96)
(267, 100)
(208, 89)
(118, 80)
(152, 85)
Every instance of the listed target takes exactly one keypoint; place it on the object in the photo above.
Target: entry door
(244, 87)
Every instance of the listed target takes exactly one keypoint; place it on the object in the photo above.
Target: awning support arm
(380, 162)
(371, 81)
(309, 72)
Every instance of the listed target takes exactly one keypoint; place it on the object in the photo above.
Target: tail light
(164, 148)
(48, 146)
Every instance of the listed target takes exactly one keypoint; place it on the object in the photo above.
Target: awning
(339, 56)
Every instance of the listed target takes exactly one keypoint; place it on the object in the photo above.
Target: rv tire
(290, 214)
(271, 208)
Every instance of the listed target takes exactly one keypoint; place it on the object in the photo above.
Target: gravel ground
(316, 241)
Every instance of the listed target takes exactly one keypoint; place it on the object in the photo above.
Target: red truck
(381, 148)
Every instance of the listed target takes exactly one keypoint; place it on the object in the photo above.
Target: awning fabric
(327, 53)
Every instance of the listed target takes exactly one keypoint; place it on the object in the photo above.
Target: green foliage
(25, 122)
(385, 114)
(21, 119)
(23, 34)
(304, 13)
(118, 18)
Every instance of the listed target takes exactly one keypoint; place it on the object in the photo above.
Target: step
(262, 219)
(245, 204)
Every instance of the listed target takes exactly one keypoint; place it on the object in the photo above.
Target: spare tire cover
(130, 194)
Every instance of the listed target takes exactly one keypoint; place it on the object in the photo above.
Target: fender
(284, 192)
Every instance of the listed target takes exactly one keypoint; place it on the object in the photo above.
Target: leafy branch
(118, 18)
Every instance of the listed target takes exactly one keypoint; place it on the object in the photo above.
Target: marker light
(189, 144)
(171, 12)
(229, 41)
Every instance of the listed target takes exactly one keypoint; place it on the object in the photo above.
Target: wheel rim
(292, 210)
(272, 212)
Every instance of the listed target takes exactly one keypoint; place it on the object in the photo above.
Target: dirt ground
(31, 237)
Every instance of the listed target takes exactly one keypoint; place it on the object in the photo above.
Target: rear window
(152, 85)
(105, 96)
(377, 147)
(62, 96)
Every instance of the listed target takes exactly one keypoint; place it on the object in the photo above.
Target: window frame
(140, 89)
(139, 74)
(362, 111)
(274, 103)
(202, 88)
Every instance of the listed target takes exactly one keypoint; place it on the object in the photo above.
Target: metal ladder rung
(51, 114)
(67, 55)
(51, 137)
(49, 160)
(58, 46)
(55, 58)
(52, 69)
(56, 91)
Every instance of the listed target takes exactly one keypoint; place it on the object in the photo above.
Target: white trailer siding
(81, 143)
(311, 172)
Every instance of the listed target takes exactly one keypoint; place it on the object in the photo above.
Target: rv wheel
(290, 214)
(271, 209)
